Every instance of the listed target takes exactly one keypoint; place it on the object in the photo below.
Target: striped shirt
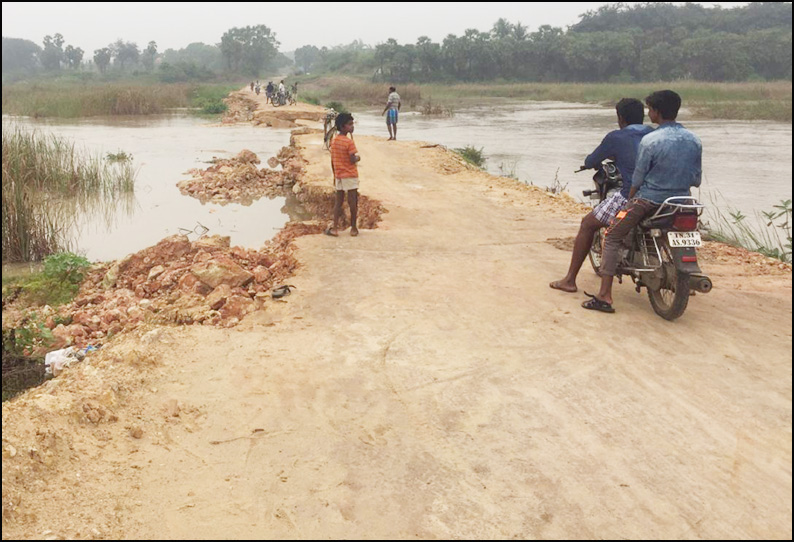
(342, 147)
(393, 101)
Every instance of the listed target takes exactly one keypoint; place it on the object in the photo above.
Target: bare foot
(353, 232)
(332, 232)
(563, 286)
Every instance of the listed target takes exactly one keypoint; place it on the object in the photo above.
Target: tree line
(242, 51)
(617, 42)
(646, 42)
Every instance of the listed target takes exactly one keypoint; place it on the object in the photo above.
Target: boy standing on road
(669, 163)
(621, 146)
(393, 104)
(343, 165)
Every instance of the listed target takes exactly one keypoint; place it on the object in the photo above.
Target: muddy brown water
(747, 165)
(163, 149)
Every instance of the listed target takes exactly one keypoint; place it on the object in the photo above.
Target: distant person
(257, 88)
(269, 92)
(252, 86)
(669, 164)
(393, 104)
(343, 164)
(621, 146)
(281, 88)
(294, 93)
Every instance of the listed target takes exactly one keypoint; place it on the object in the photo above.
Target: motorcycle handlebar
(581, 168)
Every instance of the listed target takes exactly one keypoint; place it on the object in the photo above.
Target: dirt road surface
(423, 381)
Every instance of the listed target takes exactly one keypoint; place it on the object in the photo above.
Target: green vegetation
(71, 98)
(617, 43)
(46, 181)
(770, 235)
(57, 283)
(472, 155)
(23, 346)
(209, 98)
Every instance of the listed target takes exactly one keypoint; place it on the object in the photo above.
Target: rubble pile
(175, 281)
(238, 180)
(240, 108)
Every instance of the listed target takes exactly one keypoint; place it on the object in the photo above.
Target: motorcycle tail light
(685, 222)
(689, 259)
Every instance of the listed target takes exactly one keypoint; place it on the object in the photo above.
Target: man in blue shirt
(668, 165)
(621, 146)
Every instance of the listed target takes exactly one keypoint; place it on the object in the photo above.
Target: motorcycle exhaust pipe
(700, 284)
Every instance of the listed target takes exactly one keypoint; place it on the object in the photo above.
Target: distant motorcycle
(659, 254)
(280, 98)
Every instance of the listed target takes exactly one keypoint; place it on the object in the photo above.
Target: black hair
(392, 89)
(342, 119)
(631, 110)
(666, 102)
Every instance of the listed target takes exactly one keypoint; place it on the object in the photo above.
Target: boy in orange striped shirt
(343, 164)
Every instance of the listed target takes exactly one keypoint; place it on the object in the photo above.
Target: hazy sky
(175, 25)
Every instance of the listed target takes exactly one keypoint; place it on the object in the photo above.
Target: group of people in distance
(655, 164)
(271, 92)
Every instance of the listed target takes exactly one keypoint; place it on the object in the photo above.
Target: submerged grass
(41, 173)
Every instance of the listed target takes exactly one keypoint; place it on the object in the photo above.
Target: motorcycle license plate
(684, 239)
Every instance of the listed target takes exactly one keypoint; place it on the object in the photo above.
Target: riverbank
(77, 99)
(739, 101)
(423, 381)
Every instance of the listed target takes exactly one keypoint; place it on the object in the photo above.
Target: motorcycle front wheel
(671, 299)
(595, 250)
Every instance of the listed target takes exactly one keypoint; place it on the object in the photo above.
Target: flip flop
(282, 291)
(329, 231)
(596, 304)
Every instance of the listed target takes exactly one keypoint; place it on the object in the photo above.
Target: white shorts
(350, 183)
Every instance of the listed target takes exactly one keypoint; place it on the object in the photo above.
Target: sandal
(596, 304)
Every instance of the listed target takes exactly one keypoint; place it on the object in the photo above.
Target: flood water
(747, 165)
(163, 149)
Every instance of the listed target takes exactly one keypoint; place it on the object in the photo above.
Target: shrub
(472, 155)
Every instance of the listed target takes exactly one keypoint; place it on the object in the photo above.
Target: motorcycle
(659, 254)
(280, 98)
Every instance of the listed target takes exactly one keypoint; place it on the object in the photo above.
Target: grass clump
(209, 98)
(46, 183)
(58, 282)
(472, 155)
(770, 235)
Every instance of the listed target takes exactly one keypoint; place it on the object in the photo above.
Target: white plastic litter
(57, 360)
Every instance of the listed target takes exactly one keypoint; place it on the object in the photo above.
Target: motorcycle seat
(664, 222)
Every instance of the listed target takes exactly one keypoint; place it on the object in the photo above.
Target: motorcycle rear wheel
(671, 299)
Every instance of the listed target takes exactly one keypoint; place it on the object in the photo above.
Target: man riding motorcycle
(669, 163)
(621, 146)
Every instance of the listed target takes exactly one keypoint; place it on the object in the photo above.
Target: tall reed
(769, 233)
(42, 174)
